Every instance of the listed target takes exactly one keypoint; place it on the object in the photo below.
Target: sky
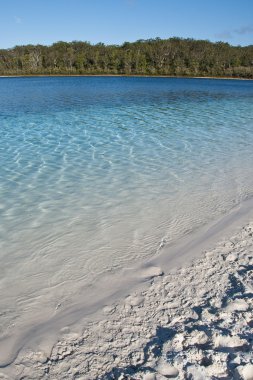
(116, 21)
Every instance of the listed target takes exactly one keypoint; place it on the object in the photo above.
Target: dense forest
(174, 56)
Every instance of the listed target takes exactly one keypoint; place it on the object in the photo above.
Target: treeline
(174, 56)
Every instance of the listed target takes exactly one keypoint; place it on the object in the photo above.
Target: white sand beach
(194, 321)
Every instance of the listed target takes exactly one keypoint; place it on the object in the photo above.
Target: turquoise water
(97, 173)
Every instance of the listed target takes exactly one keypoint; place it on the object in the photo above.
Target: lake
(99, 173)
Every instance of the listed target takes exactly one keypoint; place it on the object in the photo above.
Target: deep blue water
(99, 172)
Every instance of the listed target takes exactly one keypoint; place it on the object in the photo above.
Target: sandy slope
(194, 323)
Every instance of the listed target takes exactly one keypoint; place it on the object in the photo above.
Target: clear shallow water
(97, 173)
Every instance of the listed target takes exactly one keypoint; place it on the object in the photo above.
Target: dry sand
(195, 322)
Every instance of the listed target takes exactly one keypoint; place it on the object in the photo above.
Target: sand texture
(195, 322)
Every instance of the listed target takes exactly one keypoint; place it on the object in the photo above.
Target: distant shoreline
(154, 57)
(119, 75)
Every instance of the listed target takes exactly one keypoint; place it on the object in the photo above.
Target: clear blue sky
(116, 21)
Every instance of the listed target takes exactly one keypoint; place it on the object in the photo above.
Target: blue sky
(116, 21)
